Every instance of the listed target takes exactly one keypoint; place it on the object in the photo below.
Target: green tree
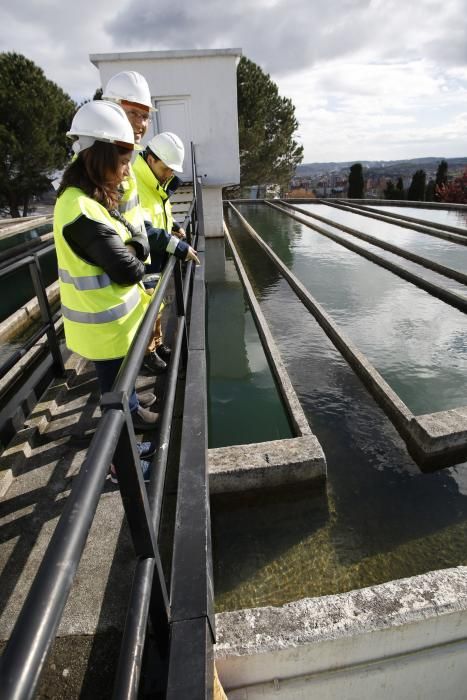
(34, 117)
(390, 190)
(356, 183)
(417, 187)
(430, 192)
(442, 174)
(400, 188)
(269, 153)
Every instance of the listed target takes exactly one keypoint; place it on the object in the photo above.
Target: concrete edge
(266, 464)
(22, 318)
(441, 435)
(12, 376)
(24, 225)
(265, 632)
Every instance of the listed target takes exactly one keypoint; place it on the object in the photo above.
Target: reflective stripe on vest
(83, 283)
(100, 316)
(129, 205)
(105, 316)
(125, 206)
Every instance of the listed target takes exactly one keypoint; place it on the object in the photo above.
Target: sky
(370, 79)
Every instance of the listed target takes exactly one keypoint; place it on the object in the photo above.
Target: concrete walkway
(44, 459)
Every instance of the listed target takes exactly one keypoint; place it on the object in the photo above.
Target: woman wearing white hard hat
(100, 255)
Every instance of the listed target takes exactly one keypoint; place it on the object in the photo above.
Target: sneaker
(144, 419)
(147, 399)
(146, 450)
(164, 352)
(154, 364)
(145, 468)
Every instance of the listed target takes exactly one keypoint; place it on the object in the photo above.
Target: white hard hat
(129, 86)
(101, 121)
(169, 148)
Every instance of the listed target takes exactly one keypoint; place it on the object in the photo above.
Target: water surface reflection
(381, 519)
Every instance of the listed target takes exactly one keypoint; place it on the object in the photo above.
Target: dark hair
(89, 171)
(147, 152)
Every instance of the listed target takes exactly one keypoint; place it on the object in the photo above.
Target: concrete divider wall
(452, 298)
(435, 440)
(405, 639)
(397, 250)
(277, 462)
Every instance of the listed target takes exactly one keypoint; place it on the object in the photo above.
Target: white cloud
(369, 78)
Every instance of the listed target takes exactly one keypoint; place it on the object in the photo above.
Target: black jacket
(101, 245)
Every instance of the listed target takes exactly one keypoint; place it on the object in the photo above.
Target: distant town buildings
(331, 179)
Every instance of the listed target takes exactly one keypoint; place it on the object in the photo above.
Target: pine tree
(442, 174)
(356, 183)
(34, 117)
(266, 122)
(390, 191)
(417, 187)
(400, 188)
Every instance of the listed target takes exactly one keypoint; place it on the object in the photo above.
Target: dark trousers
(107, 371)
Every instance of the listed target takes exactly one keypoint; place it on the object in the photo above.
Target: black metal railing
(46, 327)
(181, 614)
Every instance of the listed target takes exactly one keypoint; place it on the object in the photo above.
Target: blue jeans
(107, 371)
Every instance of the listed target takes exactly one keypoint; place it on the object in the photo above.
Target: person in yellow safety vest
(100, 254)
(130, 90)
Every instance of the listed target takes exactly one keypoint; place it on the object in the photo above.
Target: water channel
(243, 400)
(446, 217)
(380, 518)
(444, 252)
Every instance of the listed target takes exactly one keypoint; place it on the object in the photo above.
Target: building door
(173, 114)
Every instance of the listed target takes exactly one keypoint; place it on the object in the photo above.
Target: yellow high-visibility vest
(129, 205)
(153, 197)
(100, 316)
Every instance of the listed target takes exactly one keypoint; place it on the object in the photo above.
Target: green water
(244, 405)
(447, 217)
(443, 252)
(378, 519)
(417, 342)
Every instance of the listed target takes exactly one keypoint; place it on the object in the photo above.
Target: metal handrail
(142, 602)
(114, 440)
(32, 262)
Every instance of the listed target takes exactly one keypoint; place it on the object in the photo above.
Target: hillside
(387, 167)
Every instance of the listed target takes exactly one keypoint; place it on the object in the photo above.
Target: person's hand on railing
(191, 255)
(181, 233)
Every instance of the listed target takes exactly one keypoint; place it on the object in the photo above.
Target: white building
(195, 93)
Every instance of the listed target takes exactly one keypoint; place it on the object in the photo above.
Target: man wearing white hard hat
(153, 170)
(130, 90)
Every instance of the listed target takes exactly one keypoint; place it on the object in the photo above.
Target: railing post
(130, 479)
(181, 311)
(46, 315)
